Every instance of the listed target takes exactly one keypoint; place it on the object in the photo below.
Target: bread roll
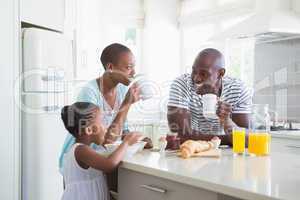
(190, 147)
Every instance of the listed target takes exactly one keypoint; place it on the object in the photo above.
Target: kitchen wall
(277, 77)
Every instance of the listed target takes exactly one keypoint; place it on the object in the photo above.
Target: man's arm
(241, 119)
(179, 120)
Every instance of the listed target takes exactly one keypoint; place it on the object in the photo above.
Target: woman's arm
(115, 128)
(90, 158)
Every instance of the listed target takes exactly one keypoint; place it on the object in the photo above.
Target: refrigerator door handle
(53, 78)
(51, 108)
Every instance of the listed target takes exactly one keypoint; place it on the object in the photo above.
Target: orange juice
(259, 143)
(238, 139)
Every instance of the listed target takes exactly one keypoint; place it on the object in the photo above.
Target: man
(185, 103)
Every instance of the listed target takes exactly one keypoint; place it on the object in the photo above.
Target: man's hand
(223, 111)
(149, 144)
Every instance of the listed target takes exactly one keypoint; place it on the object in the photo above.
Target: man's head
(208, 70)
(117, 57)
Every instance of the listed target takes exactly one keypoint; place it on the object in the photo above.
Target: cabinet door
(137, 186)
(45, 13)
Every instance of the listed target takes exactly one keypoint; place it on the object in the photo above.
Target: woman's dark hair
(78, 116)
(111, 53)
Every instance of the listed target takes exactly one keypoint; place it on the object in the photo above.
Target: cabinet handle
(155, 189)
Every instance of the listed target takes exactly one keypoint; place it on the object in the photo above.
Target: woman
(110, 94)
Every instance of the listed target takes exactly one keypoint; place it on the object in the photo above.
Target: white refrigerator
(46, 79)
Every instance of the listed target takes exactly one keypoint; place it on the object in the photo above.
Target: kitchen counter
(286, 134)
(272, 177)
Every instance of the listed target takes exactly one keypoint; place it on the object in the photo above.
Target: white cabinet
(137, 186)
(45, 13)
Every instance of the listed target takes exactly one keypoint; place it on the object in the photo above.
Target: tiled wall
(277, 77)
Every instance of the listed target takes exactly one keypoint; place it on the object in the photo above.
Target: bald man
(185, 103)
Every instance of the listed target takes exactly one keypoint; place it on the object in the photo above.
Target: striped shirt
(183, 95)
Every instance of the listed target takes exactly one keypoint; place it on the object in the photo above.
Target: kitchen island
(150, 175)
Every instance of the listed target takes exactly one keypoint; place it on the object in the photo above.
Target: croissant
(190, 147)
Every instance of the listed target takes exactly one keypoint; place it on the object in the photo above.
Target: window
(239, 54)
(133, 39)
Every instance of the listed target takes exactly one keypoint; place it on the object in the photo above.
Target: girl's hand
(133, 95)
(132, 138)
(149, 144)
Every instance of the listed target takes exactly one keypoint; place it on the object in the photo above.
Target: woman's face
(126, 64)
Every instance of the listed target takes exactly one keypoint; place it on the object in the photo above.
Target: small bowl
(131, 150)
(135, 148)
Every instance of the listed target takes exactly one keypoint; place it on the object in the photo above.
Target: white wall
(161, 56)
(9, 67)
(161, 39)
(99, 23)
(88, 38)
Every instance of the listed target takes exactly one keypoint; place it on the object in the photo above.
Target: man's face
(206, 75)
(126, 64)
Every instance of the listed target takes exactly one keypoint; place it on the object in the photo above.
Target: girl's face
(98, 129)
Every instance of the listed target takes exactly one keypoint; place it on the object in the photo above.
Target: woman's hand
(132, 138)
(119, 77)
(111, 138)
(133, 95)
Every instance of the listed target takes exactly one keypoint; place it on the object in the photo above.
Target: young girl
(84, 168)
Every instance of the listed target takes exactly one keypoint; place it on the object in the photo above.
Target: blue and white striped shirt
(183, 95)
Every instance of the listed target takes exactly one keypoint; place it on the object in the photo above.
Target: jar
(259, 130)
(173, 142)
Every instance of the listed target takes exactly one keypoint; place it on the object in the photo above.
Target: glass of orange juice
(259, 143)
(238, 140)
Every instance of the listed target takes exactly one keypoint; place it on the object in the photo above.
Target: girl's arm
(90, 158)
